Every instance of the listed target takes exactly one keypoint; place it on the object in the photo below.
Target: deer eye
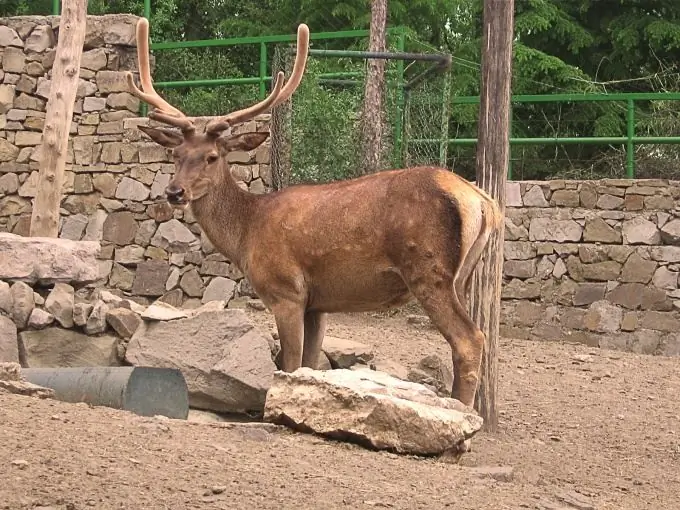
(211, 158)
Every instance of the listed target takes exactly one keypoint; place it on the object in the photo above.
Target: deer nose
(174, 194)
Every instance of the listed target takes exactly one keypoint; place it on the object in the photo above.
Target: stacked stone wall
(594, 262)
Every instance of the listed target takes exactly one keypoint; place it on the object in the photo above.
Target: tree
(372, 124)
(65, 74)
(493, 149)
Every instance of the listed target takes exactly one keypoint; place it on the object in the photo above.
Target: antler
(277, 96)
(164, 112)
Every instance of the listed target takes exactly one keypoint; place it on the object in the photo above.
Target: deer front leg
(290, 319)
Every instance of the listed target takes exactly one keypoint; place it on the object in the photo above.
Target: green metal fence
(629, 139)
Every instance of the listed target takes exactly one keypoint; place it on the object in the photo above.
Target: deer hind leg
(315, 329)
(435, 291)
(289, 317)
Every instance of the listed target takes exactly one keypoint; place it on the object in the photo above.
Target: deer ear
(164, 137)
(243, 142)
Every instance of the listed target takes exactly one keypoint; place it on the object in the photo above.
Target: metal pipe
(398, 154)
(147, 9)
(385, 55)
(572, 140)
(146, 391)
(630, 132)
(56, 7)
(263, 70)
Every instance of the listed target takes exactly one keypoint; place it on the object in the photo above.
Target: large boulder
(224, 358)
(371, 408)
(47, 260)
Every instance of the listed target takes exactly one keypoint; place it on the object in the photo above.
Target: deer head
(200, 157)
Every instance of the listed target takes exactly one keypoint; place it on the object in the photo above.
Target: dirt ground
(580, 428)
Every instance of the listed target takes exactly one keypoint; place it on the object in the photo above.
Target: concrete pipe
(145, 391)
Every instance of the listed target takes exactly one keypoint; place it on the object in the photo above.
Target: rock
(94, 60)
(535, 198)
(60, 303)
(545, 229)
(5, 298)
(150, 278)
(73, 227)
(47, 260)
(637, 269)
(9, 183)
(9, 37)
(565, 198)
(670, 232)
(640, 231)
(191, 283)
(40, 319)
(588, 293)
(130, 189)
(96, 321)
(9, 350)
(57, 347)
(129, 255)
(600, 271)
(371, 408)
(26, 389)
(123, 321)
(610, 202)
(173, 236)
(603, 317)
(119, 228)
(40, 39)
(23, 303)
(344, 353)
(665, 279)
(520, 268)
(598, 231)
(219, 289)
(518, 250)
(224, 358)
(81, 311)
(162, 311)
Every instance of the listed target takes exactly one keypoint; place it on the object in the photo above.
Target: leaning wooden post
(65, 76)
(492, 169)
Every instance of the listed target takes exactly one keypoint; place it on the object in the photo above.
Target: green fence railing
(630, 140)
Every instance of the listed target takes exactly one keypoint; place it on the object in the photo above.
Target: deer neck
(224, 215)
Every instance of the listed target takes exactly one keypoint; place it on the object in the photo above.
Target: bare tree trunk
(65, 75)
(492, 170)
(372, 116)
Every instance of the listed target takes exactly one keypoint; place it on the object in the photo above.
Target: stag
(365, 244)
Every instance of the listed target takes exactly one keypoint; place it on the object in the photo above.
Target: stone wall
(115, 176)
(594, 262)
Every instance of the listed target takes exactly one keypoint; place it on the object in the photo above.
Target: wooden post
(372, 118)
(492, 169)
(65, 76)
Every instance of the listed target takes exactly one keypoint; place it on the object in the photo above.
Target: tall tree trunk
(65, 75)
(372, 116)
(493, 150)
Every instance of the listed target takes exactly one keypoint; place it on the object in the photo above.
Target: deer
(366, 244)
